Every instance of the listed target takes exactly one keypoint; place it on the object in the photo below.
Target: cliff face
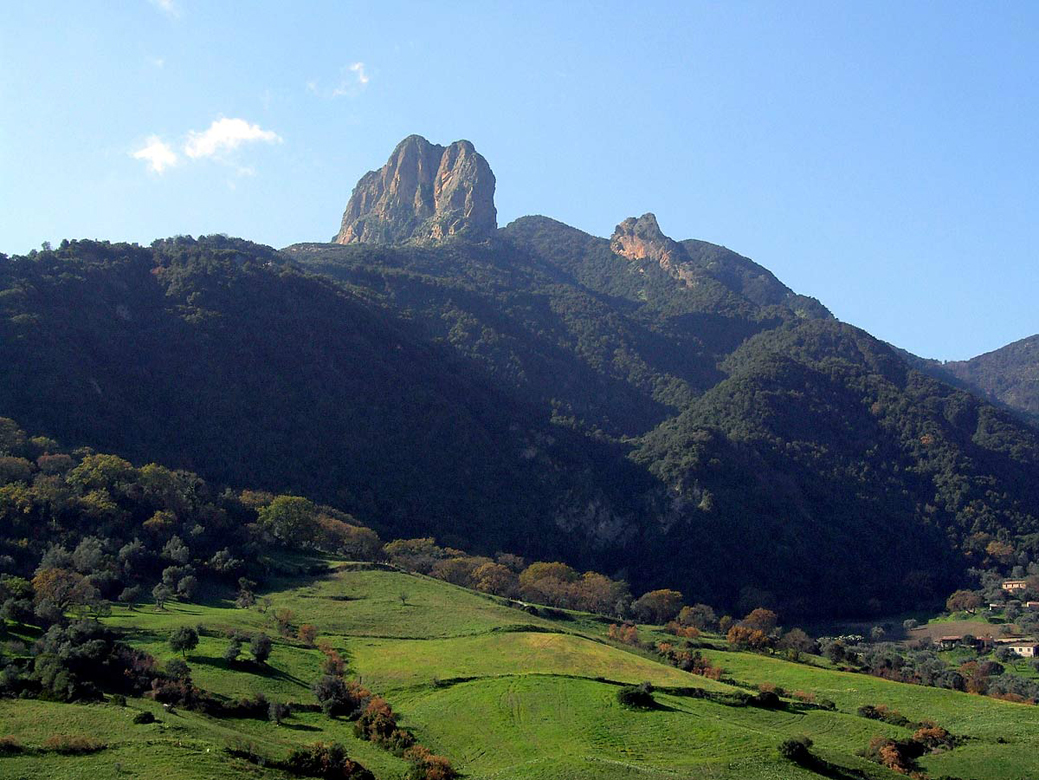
(424, 192)
(641, 240)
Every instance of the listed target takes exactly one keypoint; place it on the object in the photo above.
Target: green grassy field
(502, 693)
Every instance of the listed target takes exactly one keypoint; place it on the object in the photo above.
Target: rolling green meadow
(501, 693)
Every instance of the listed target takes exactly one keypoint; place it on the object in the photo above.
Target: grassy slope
(504, 694)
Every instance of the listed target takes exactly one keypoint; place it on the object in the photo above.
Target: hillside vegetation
(500, 693)
(535, 393)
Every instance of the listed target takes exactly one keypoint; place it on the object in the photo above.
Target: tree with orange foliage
(63, 589)
(307, 633)
(497, 579)
(745, 636)
(425, 765)
(764, 620)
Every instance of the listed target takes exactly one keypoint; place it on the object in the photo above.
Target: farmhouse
(1024, 649)
(1011, 586)
(963, 640)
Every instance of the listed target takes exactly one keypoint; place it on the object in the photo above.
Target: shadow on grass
(249, 667)
(824, 768)
(299, 727)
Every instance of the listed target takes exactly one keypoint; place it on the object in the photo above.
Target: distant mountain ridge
(661, 410)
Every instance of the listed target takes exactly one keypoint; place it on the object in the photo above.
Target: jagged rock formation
(424, 192)
(692, 262)
(641, 239)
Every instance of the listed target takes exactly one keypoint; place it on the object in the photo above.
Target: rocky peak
(424, 192)
(641, 239)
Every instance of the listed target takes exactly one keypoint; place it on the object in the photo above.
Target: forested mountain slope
(661, 410)
(1008, 375)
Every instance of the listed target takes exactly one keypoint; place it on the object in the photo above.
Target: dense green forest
(534, 393)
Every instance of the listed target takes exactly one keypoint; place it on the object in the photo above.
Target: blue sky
(882, 157)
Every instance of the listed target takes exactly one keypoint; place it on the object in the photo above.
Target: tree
(161, 593)
(234, 650)
(658, 606)
(1001, 551)
(964, 601)
(307, 634)
(798, 641)
(183, 639)
(290, 519)
(332, 695)
(764, 620)
(187, 586)
(277, 712)
(63, 589)
(176, 551)
(699, 616)
(496, 578)
(260, 646)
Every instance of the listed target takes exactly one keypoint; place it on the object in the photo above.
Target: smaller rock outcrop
(641, 239)
(424, 192)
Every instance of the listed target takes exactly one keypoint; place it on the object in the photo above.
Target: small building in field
(1027, 649)
(1012, 586)
(952, 641)
(1032, 605)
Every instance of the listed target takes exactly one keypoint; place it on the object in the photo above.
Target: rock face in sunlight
(424, 193)
(641, 239)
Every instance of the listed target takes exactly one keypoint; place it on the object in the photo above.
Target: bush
(638, 697)
(260, 646)
(9, 746)
(766, 700)
(278, 711)
(796, 749)
(325, 760)
(143, 717)
(119, 700)
(427, 766)
(72, 745)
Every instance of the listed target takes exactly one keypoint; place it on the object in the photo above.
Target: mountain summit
(424, 192)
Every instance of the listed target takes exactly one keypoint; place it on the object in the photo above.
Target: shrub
(638, 697)
(307, 634)
(425, 765)
(378, 723)
(143, 717)
(72, 745)
(328, 760)
(119, 700)
(9, 746)
(796, 749)
(278, 711)
(766, 700)
(260, 646)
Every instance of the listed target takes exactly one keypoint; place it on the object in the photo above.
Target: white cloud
(158, 154)
(353, 79)
(168, 7)
(362, 76)
(225, 135)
